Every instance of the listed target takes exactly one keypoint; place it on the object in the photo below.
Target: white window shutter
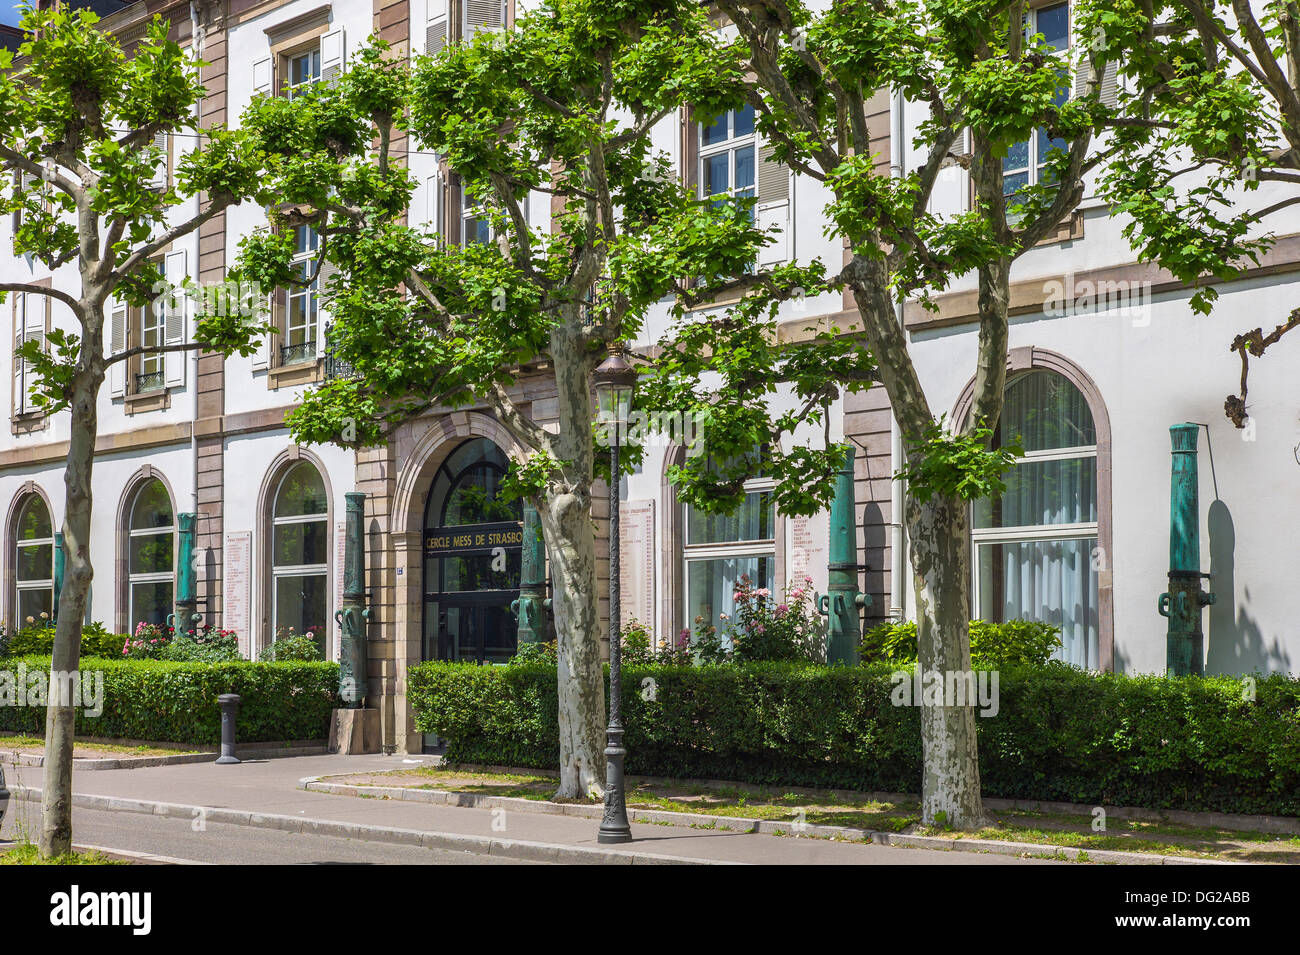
(117, 316)
(262, 354)
(262, 76)
(483, 15)
(773, 208)
(332, 56)
(435, 211)
(435, 34)
(175, 318)
(34, 321)
(20, 367)
(1109, 91)
(159, 180)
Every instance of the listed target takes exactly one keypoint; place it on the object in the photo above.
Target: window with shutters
(149, 373)
(303, 70)
(475, 226)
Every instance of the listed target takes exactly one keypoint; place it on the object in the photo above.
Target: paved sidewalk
(268, 792)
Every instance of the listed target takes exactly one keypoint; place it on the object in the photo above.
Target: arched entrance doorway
(472, 545)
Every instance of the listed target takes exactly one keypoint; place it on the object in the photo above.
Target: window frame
(730, 145)
(310, 294)
(25, 500)
(1084, 531)
(279, 571)
(150, 577)
(723, 550)
(1033, 146)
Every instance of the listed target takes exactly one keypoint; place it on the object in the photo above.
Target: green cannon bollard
(354, 615)
(58, 576)
(186, 616)
(529, 607)
(843, 604)
(1182, 603)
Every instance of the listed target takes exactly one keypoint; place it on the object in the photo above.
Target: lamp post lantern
(613, 380)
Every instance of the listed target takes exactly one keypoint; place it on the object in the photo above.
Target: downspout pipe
(1181, 605)
(897, 488)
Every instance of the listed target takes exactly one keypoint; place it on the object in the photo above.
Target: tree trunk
(940, 550)
(60, 716)
(571, 550)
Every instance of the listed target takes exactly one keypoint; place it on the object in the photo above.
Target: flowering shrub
(789, 632)
(152, 641)
(301, 647)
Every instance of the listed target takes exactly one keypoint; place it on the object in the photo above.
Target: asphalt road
(233, 845)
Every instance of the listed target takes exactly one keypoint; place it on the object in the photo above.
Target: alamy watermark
(1117, 299)
(80, 688)
(655, 429)
(978, 688)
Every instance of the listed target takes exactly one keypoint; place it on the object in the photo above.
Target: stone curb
(146, 762)
(480, 845)
(735, 824)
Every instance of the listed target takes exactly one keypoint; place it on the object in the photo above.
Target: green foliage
(539, 652)
(763, 630)
(991, 644)
(957, 466)
(300, 648)
(215, 649)
(171, 702)
(1060, 733)
(637, 643)
(96, 641)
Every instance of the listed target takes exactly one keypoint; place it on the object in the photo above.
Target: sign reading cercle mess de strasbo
(475, 537)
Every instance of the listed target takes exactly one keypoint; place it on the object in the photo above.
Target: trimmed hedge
(96, 641)
(1060, 734)
(175, 702)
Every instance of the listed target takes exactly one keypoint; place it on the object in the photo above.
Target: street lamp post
(614, 379)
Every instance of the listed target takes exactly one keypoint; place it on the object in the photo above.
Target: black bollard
(229, 708)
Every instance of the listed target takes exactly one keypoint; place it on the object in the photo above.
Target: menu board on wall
(636, 542)
(236, 562)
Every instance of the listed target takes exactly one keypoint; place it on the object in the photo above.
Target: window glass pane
(33, 603)
(300, 602)
(293, 545)
(1054, 25)
(473, 499)
(716, 133)
(463, 572)
(1043, 492)
(742, 121)
(35, 562)
(1047, 412)
(151, 553)
(34, 521)
(301, 492)
(153, 508)
(715, 180)
(1049, 581)
(150, 603)
(744, 167)
(711, 586)
(753, 520)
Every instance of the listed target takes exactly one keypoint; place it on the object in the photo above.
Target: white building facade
(1080, 540)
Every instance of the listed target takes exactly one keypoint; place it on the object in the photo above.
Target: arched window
(1036, 545)
(33, 562)
(151, 545)
(300, 556)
